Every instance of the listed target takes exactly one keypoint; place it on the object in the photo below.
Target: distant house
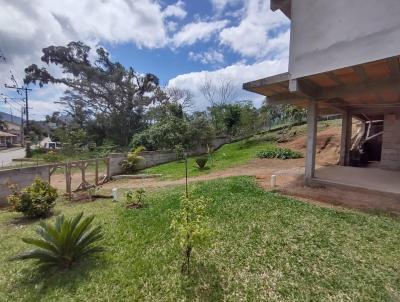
(11, 129)
(344, 58)
(7, 139)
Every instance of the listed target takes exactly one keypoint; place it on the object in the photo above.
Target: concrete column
(345, 141)
(312, 119)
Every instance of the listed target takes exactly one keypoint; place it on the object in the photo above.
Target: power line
(19, 91)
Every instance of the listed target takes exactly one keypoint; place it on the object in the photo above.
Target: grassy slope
(234, 154)
(265, 247)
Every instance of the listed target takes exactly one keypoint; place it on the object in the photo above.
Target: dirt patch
(328, 145)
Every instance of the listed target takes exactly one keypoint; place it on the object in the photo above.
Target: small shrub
(35, 201)
(132, 160)
(38, 151)
(105, 150)
(135, 199)
(180, 151)
(191, 227)
(201, 162)
(52, 157)
(280, 153)
(63, 243)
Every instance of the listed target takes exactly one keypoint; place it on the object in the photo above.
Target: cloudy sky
(181, 41)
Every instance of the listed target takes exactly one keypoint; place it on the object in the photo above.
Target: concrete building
(344, 58)
(11, 125)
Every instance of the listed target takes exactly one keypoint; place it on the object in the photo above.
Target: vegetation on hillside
(239, 152)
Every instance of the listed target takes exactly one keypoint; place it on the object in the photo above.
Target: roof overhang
(371, 89)
(5, 134)
(284, 5)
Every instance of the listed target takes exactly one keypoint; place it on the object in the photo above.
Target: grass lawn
(264, 247)
(227, 156)
(234, 154)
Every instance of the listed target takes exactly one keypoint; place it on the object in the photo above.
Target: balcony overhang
(283, 5)
(370, 89)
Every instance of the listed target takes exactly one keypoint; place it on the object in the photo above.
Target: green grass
(227, 156)
(264, 247)
(234, 154)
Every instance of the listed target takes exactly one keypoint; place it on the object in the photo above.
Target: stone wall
(23, 177)
(390, 158)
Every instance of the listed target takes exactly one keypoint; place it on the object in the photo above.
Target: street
(6, 156)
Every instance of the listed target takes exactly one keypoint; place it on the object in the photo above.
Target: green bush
(135, 198)
(64, 243)
(35, 201)
(38, 151)
(105, 150)
(280, 153)
(132, 160)
(52, 157)
(201, 162)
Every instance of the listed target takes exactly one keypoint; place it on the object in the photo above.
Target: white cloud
(176, 10)
(28, 26)
(197, 31)
(250, 37)
(220, 5)
(238, 74)
(208, 57)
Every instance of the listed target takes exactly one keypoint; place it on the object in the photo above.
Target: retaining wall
(154, 158)
(23, 177)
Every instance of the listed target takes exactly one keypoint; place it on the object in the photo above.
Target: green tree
(120, 95)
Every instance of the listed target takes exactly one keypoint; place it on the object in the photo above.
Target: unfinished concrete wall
(327, 34)
(390, 158)
(115, 163)
(154, 158)
(22, 177)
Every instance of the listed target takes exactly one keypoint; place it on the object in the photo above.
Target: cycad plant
(64, 243)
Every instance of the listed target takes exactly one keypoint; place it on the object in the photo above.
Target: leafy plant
(132, 160)
(64, 243)
(201, 162)
(35, 201)
(180, 151)
(52, 157)
(280, 153)
(135, 198)
(191, 227)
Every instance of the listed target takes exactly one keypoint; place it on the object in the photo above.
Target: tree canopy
(99, 87)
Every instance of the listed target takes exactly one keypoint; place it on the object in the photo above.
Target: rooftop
(5, 134)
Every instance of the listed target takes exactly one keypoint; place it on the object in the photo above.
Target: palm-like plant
(63, 243)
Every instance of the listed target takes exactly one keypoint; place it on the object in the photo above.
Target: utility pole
(22, 126)
(19, 90)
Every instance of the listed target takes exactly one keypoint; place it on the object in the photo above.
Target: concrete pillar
(312, 119)
(345, 141)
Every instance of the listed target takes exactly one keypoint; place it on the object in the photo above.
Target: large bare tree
(220, 92)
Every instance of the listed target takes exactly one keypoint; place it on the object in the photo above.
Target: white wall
(331, 34)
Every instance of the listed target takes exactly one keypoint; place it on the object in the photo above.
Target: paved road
(6, 156)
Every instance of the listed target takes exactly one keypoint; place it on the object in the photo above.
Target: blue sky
(183, 42)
